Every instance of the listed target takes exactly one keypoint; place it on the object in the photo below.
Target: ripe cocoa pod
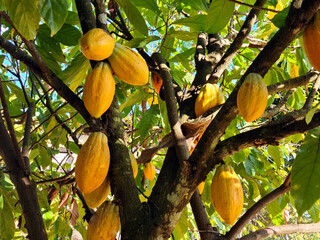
(227, 194)
(128, 65)
(252, 97)
(99, 90)
(149, 171)
(201, 187)
(92, 163)
(99, 195)
(210, 96)
(311, 39)
(96, 44)
(134, 164)
(156, 81)
(104, 223)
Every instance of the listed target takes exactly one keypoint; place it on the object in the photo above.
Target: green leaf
(148, 4)
(279, 19)
(164, 117)
(182, 225)
(275, 211)
(199, 5)
(76, 73)
(150, 118)
(68, 35)
(219, 14)
(184, 35)
(49, 44)
(305, 183)
(44, 158)
(72, 18)
(134, 16)
(141, 42)
(134, 98)
(196, 23)
(6, 183)
(275, 154)
(25, 15)
(310, 114)
(54, 13)
(7, 227)
(314, 211)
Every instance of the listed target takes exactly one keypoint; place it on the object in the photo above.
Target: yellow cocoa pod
(99, 89)
(201, 187)
(311, 39)
(134, 164)
(97, 44)
(128, 65)
(252, 97)
(99, 195)
(92, 163)
(156, 81)
(210, 96)
(104, 223)
(149, 171)
(227, 194)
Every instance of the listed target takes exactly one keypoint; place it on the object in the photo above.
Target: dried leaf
(74, 212)
(64, 200)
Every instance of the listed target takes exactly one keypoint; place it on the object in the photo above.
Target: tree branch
(251, 212)
(171, 103)
(295, 22)
(38, 66)
(283, 229)
(200, 215)
(25, 186)
(26, 138)
(14, 140)
(238, 41)
(269, 134)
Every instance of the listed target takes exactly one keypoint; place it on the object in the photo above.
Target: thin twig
(251, 212)
(26, 138)
(255, 7)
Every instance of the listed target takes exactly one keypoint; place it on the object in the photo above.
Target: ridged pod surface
(311, 40)
(92, 163)
(210, 96)
(97, 44)
(252, 97)
(227, 194)
(99, 89)
(104, 223)
(149, 171)
(156, 81)
(128, 65)
(134, 164)
(99, 195)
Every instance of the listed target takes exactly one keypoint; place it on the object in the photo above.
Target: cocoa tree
(188, 43)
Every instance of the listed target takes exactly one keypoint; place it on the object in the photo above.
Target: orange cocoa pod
(252, 97)
(149, 171)
(227, 194)
(311, 39)
(98, 196)
(92, 163)
(99, 90)
(156, 81)
(104, 223)
(97, 44)
(210, 96)
(128, 65)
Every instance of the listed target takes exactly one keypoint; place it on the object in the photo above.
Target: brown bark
(26, 187)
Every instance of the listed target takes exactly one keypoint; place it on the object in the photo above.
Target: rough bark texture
(26, 187)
